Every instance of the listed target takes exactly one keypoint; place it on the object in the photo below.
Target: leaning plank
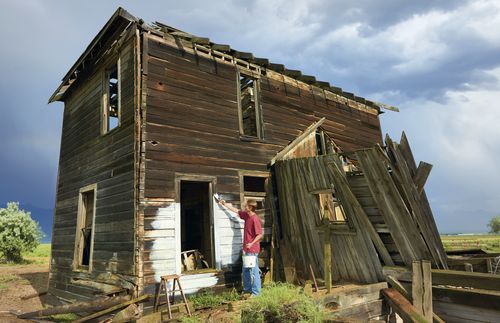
(405, 150)
(77, 307)
(393, 209)
(402, 306)
(112, 309)
(451, 278)
(420, 177)
(347, 195)
(410, 194)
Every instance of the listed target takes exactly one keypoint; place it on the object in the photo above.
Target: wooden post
(427, 286)
(327, 249)
(422, 288)
(468, 267)
(327, 258)
(489, 267)
(416, 286)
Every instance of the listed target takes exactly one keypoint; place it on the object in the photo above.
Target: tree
(495, 225)
(18, 232)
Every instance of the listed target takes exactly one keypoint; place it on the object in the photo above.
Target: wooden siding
(190, 126)
(87, 157)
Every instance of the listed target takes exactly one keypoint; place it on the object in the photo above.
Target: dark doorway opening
(196, 224)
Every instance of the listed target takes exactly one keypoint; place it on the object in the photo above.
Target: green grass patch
(69, 317)
(191, 319)
(208, 299)
(487, 242)
(280, 302)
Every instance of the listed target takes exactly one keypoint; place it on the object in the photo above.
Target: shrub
(18, 232)
(280, 302)
(495, 225)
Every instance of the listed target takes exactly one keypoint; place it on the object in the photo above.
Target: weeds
(208, 299)
(280, 302)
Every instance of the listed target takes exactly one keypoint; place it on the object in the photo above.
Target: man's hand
(249, 245)
(222, 202)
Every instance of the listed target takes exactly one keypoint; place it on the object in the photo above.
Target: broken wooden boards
(404, 209)
(354, 257)
(389, 220)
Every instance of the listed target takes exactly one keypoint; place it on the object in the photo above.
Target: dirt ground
(18, 281)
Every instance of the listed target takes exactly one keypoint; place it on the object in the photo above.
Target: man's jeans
(251, 277)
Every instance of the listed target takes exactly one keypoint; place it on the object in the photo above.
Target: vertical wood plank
(427, 293)
(417, 291)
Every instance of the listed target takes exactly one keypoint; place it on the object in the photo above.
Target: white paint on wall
(229, 228)
(164, 236)
(165, 254)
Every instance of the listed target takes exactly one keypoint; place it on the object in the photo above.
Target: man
(252, 234)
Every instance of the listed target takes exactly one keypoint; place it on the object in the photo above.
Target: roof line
(67, 80)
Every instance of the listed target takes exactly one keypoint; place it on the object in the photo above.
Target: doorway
(196, 225)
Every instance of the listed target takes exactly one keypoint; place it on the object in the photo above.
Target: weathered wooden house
(157, 120)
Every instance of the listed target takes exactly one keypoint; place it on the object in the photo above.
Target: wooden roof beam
(261, 61)
(292, 73)
(220, 47)
(323, 84)
(277, 67)
(243, 55)
(336, 90)
(309, 79)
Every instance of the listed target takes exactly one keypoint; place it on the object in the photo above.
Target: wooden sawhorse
(170, 292)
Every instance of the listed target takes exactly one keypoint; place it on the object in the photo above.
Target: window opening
(112, 100)
(250, 118)
(85, 226)
(332, 208)
(254, 187)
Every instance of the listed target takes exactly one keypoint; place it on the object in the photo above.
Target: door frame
(212, 181)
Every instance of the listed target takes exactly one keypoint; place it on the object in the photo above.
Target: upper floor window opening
(249, 110)
(112, 99)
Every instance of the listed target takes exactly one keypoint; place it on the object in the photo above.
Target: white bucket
(249, 261)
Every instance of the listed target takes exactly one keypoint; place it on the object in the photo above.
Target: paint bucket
(249, 261)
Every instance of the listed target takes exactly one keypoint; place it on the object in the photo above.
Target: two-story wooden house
(156, 121)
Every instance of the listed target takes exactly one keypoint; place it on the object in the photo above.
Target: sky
(437, 61)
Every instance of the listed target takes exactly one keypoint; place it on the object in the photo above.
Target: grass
(207, 299)
(280, 302)
(69, 317)
(40, 256)
(487, 242)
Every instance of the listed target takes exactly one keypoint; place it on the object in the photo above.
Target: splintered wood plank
(420, 177)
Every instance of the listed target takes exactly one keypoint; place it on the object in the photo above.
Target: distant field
(489, 243)
(41, 255)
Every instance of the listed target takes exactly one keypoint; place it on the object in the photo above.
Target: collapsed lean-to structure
(157, 120)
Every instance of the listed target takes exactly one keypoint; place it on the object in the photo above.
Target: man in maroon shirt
(252, 234)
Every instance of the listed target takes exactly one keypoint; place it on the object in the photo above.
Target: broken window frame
(340, 227)
(258, 110)
(80, 226)
(105, 104)
(257, 196)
